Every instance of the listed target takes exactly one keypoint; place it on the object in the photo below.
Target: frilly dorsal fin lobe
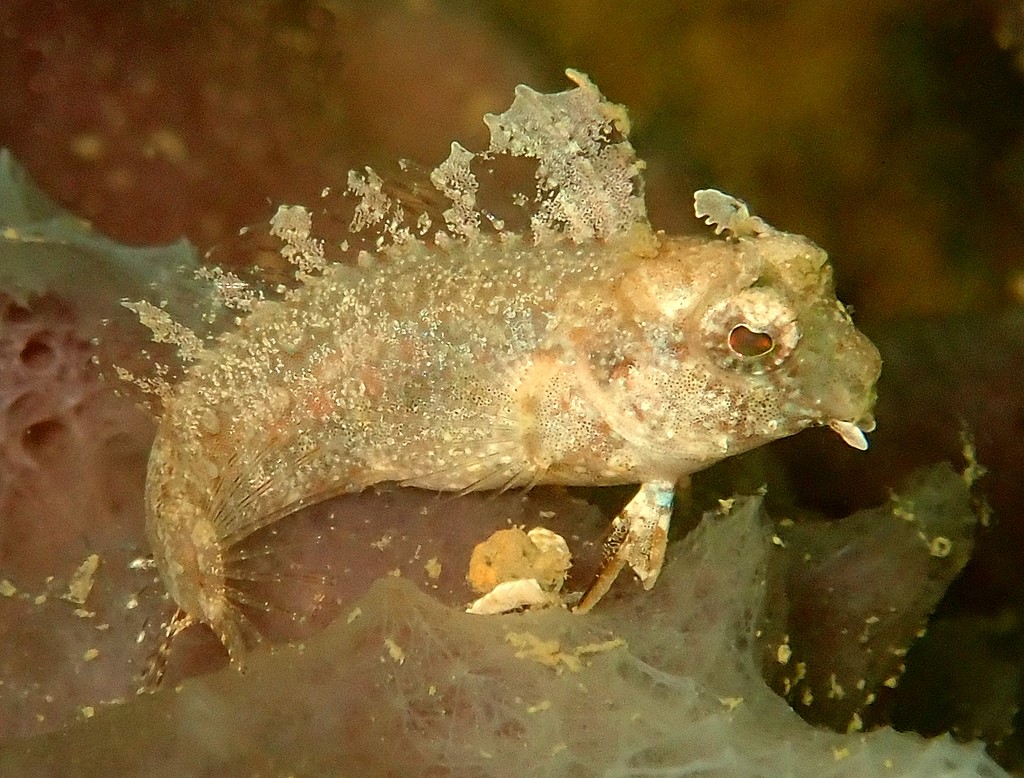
(586, 179)
(726, 213)
(589, 183)
(455, 180)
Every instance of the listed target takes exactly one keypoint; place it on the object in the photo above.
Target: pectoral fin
(637, 538)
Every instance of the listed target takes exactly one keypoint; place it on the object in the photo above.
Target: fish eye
(749, 343)
(753, 331)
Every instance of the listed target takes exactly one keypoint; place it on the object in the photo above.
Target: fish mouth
(853, 432)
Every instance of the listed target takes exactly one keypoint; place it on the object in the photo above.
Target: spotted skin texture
(590, 350)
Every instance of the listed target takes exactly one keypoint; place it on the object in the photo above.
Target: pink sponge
(58, 425)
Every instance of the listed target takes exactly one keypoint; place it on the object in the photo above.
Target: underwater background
(890, 133)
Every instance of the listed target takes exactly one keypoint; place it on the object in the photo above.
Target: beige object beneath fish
(514, 569)
(456, 354)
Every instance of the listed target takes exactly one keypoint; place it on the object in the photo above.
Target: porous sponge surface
(57, 427)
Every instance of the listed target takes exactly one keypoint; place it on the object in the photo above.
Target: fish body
(503, 360)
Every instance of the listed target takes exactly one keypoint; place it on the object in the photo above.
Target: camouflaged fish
(458, 355)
